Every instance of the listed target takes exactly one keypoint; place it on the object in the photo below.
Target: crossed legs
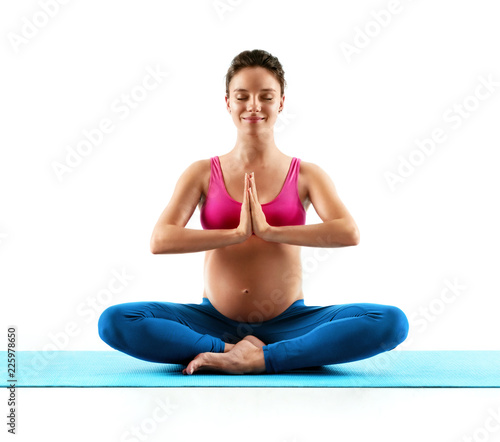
(158, 331)
(300, 337)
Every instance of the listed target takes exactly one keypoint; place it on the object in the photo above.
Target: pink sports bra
(220, 211)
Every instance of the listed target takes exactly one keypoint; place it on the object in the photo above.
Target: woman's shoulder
(196, 173)
(313, 175)
(198, 167)
(202, 169)
(308, 167)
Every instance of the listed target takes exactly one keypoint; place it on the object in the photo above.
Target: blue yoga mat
(390, 369)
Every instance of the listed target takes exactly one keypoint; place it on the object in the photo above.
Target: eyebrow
(241, 89)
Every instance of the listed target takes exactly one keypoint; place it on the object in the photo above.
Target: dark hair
(257, 57)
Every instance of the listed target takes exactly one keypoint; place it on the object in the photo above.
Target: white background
(357, 116)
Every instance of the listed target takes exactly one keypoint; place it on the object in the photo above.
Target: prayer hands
(252, 217)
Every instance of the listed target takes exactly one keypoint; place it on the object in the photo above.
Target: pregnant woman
(253, 202)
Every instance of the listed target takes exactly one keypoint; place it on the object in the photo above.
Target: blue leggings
(302, 336)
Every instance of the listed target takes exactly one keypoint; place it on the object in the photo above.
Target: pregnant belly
(254, 283)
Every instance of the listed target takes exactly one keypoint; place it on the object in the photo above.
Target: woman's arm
(338, 228)
(177, 239)
(170, 235)
(333, 233)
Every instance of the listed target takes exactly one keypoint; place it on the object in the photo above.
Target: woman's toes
(194, 364)
(245, 357)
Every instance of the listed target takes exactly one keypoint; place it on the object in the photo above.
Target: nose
(253, 105)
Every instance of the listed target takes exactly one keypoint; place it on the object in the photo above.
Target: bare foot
(254, 340)
(244, 357)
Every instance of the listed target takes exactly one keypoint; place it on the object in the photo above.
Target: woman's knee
(109, 323)
(397, 326)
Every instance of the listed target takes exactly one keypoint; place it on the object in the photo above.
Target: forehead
(258, 78)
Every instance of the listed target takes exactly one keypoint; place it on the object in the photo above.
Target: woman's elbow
(157, 245)
(153, 246)
(354, 237)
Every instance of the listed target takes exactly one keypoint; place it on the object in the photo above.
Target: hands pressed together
(252, 218)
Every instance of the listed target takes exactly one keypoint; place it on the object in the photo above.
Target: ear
(282, 102)
(227, 103)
